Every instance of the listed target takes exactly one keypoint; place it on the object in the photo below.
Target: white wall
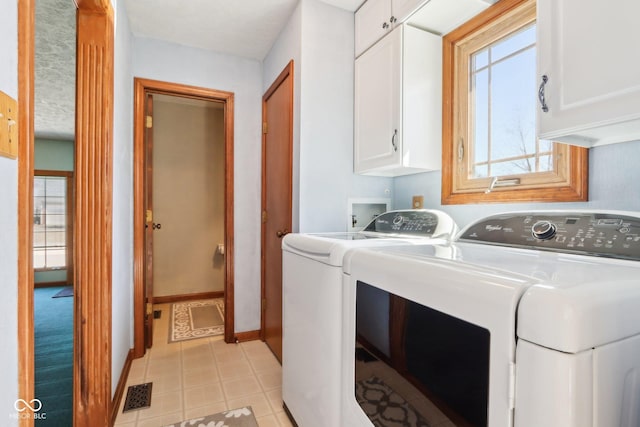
(319, 38)
(53, 155)
(613, 177)
(174, 63)
(9, 226)
(288, 47)
(122, 243)
(327, 180)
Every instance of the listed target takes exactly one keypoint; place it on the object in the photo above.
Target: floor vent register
(138, 397)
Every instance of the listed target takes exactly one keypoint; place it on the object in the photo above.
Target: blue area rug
(53, 357)
(67, 291)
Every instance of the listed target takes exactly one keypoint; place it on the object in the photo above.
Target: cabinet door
(371, 23)
(589, 51)
(378, 137)
(401, 9)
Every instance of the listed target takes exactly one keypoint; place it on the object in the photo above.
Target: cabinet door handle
(394, 143)
(543, 102)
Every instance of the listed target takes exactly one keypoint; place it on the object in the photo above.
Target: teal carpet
(54, 357)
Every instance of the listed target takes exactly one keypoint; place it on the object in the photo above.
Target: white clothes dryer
(526, 320)
(312, 306)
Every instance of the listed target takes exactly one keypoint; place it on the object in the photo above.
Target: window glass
(503, 107)
(50, 222)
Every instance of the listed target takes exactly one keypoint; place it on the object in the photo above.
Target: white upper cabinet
(371, 23)
(401, 9)
(375, 18)
(589, 55)
(398, 104)
(378, 87)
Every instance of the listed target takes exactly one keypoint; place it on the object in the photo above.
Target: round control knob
(398, 220)
(543, 230)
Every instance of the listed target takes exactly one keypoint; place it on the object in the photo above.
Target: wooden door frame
(286, 72)
(149, 227)
(93, 217)
(141, 88)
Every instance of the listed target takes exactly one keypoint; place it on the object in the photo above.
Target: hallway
(205, 376)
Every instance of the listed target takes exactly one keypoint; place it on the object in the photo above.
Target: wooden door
(149, 224)
(277, 143)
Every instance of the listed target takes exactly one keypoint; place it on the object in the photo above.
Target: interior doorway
(53, 207)
(153, 203)
(92, 388)
(185, 198)
(277, 181)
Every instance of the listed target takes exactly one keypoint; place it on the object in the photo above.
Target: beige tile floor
(205, 376)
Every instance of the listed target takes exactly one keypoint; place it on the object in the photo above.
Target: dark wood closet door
(277, 141)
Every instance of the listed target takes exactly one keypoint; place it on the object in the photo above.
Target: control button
(398, 220)
(543, 230)
(624, 230)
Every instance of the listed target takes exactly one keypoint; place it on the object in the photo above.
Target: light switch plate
(417, 202)
(8, 126)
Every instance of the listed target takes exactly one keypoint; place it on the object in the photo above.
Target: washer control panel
(420, 222)
(608, 234)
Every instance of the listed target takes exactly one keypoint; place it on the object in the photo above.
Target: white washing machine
(526, 320)
(312, 306)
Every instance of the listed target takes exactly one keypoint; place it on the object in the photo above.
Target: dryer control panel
(607, 234)
(418, 222)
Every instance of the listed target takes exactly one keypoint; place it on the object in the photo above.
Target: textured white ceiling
(246, 28)
(55, 69)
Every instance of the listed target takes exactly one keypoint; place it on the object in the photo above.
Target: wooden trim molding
(122, 382)
(44, 172)
(26, 59)
(141, 88)
(187, 297)
(94, 5)
(92, 310)
(247, 336)
(93, 214)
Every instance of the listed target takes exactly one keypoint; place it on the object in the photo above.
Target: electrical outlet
(417, 202)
